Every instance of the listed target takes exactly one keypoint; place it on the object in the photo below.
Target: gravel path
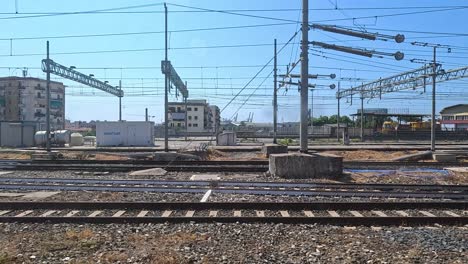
(229, 243)
(395, 178)
(114, 197)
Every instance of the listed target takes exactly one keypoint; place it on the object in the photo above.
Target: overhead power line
(83, 12)
(139, 50)
(147, 32)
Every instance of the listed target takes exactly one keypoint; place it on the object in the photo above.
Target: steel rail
(218, 184)
(31, 216)
(251, 191)
(461, 205)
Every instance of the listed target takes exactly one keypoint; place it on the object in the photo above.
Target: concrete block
(226, 139)
(329, 164)
(293, 166)
(205, 177)
(149, 172)
(305, 166)
(269, 149)
(444, 157)
(39, 195)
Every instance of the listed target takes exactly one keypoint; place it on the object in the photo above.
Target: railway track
(198, 166)
(335, 213)
(458, 192)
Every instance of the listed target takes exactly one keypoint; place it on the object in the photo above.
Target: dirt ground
(15, 155)
(220, 155)
(370, 154)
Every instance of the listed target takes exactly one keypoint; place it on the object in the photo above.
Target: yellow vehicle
(419, 125)
(389, 127)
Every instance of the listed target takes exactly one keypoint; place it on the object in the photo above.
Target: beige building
(199, 113)
(24, 99)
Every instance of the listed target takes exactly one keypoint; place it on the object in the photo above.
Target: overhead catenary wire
(255, 76)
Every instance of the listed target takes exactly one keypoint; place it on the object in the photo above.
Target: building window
(190, 125)
(195, 125)
(178, 109)
(189, 108)
(189, 117)
(178, 124)
(196, 117)
(196, 109)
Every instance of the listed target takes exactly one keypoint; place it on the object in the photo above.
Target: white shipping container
(125, 133)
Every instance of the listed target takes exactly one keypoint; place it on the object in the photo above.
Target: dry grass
(109, 157)
(369, 154)
(458, 177)
(11, 155)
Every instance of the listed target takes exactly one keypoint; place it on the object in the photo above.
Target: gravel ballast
(230, 243)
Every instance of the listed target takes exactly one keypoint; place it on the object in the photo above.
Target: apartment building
(199, 114)
(24, 99)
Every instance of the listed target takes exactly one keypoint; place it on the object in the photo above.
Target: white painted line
(47, 213)
(451, 213)
(206, 196)
(356, 213)
(95, 213)
(142, 214)
(25, 213)
(72, 213)
(427, 213)
(118, 214)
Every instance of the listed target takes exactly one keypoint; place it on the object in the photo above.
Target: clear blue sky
(204, 68)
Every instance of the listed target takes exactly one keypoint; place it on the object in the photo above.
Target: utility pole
(146, 114)
(362, 118)
(48, 102)
(433, 119)
(166, 100)
(338, 117)
(275, 99)
(186, 113)
(312, 112)
(120, 101)
(304, 75)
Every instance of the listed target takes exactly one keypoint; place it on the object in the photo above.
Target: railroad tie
(142, 213)
(95, 213)
(25, 213)
(213, 214)
(309, 214)
(48, 213)
(72, 213)
(451, 213)
(237, 213)
(189, 213)
(333, 214)
(356, 214)
(4, 212)
(284, 213)
(402, 213)
(426, 213)
(119, 213)
(166, 214)
(260, 213)
(380, 213)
